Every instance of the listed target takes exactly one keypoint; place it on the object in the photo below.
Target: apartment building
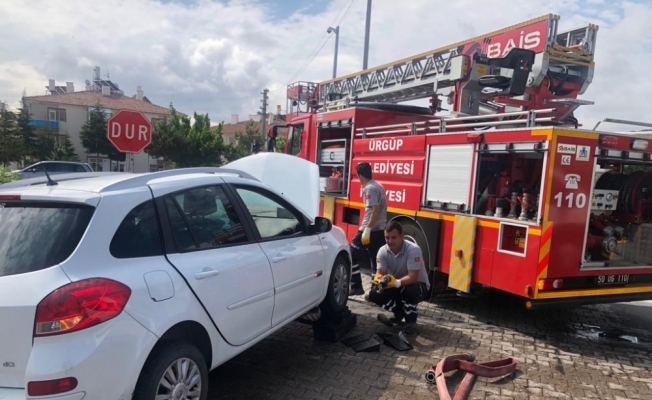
(64, 111)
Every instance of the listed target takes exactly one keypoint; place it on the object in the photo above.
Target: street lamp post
(337, 42)
(365, 57)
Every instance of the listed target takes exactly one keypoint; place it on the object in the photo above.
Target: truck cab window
(294, 139)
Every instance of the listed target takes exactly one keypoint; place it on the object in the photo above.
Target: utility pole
(365, 58)
(264, 116)
(337, 43)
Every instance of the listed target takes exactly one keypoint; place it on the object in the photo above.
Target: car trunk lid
(36, 237)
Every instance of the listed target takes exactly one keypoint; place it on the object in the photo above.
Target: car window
(49, 167)
(36, 168)
(204, 218)
(79, 168)
(66, 168)
(138, 235)
(271, 218)
(35, 236)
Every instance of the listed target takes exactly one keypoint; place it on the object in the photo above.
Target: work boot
(389, 321)
(359, 291)
(410, 328)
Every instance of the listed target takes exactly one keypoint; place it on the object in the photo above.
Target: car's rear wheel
(177, 371)
(337, 295)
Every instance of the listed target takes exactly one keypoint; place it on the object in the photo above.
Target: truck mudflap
(588, 297)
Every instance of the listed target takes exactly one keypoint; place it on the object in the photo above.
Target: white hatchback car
(136, 285)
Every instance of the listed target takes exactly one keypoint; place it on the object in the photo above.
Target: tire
(414, 233)
(165, 358)
(337, 295)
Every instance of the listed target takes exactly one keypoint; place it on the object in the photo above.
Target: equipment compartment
(509, 180)
(333, 154)
(620, 223)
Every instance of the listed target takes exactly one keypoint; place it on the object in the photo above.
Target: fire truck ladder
(420, 76)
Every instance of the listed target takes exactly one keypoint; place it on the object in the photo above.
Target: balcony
(41, 123)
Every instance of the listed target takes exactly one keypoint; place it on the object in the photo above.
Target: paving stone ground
(589, 352)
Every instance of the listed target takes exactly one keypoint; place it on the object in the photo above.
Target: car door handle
(206, 274)
(278, 258)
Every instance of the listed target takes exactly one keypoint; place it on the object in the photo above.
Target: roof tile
(91, 98)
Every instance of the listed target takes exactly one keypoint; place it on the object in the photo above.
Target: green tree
(93, 136)
(27, 132)
(45, 144)
(246, 139)
(11, 146)
(189, 145)
(7, 176)
(280, 143)
(71, 155)
(58, 154)
(65, 152)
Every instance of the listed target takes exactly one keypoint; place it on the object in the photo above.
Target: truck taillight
(80, 305)
(548, 284)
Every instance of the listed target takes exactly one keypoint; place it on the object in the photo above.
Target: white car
(136, 285)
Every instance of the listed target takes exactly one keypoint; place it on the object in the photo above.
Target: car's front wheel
(337, 294)
(177, 371)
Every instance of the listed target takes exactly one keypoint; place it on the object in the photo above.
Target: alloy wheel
(340, 283)
(181, 381)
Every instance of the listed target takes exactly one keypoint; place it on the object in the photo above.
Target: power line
(311, 59)
(317, 49)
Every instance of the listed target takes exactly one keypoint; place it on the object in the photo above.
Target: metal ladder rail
(438, 126)
(414, 77)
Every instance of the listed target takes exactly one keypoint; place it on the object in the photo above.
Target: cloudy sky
(215, 56)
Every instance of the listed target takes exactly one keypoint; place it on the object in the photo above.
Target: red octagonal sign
(129, 131)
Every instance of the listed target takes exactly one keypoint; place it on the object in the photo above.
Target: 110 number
(578, 201)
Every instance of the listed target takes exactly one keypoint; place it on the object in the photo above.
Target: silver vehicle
(53, 168)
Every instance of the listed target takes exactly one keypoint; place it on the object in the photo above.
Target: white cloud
(216, 57)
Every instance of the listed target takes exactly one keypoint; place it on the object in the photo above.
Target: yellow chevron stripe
(545, 249)
(461, 268)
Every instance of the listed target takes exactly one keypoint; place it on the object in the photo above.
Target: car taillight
(80, 305)
(44, 388)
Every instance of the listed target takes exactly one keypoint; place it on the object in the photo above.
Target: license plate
(612, 279)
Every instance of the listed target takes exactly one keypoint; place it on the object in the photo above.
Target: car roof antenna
(50, 181)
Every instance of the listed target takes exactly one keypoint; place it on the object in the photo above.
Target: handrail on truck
(441, 123)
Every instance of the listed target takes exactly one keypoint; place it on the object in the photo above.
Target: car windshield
(37, 235)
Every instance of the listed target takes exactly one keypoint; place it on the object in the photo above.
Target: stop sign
(129, 131)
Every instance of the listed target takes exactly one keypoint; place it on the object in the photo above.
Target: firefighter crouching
(401, 280)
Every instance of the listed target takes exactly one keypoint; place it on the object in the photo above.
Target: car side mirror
(322, 225)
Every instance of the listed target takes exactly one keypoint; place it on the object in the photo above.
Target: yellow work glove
(377, 279)
(388, 281)
(366, 233)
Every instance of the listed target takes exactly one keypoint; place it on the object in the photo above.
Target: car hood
(293, 177)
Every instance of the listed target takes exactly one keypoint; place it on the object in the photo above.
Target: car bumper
(19, 394)
(106, 359)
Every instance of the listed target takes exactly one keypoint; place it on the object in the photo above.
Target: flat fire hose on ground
(465, 362)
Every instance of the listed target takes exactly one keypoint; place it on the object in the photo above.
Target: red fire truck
(505, 190)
